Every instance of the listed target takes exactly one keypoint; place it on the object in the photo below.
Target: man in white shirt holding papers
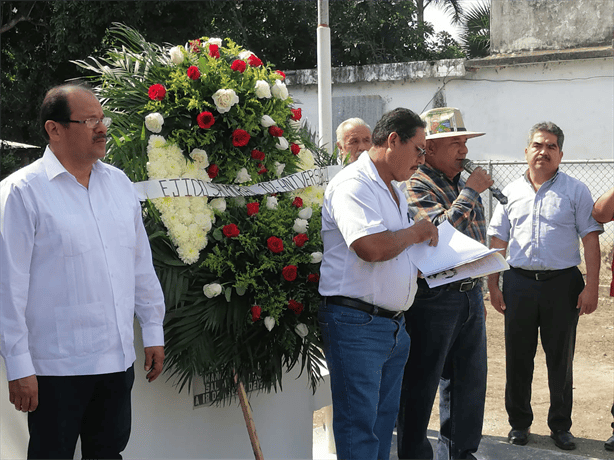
(367, 281)
(76, 267)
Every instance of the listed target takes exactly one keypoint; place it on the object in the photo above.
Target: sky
(441, 21)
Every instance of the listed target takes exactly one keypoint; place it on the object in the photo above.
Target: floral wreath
(239, 275)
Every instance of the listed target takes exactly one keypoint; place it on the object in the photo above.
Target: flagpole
(324, 78)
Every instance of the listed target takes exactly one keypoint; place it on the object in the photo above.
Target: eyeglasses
(93, 122)
(421, 151)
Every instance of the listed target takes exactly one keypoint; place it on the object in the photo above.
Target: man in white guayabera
(76, 267)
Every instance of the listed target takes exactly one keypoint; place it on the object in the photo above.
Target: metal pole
(325, 123)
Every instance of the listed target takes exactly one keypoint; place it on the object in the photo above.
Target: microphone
(470, 167)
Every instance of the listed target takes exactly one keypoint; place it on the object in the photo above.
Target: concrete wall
(550, 24)
(502, 100)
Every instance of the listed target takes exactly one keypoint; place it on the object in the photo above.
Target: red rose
(214, 51)
(257, 155)
(296, 114)
(276, 131)
(283, 75)
(240, 138)
(275, 244)
(289, 272)
(313, 278)
(195, 46)
(230, 230)
(252, 208)
(238, 65)
(256, 311)
(298, 202)
(261, 169)
(254, 61)
(193, 72)
(205, 120)
(300, 239)
(213, 170)
(157, 92)
(295, 149)
(295, 306)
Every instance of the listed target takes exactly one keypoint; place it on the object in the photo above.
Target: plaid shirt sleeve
(433, 196)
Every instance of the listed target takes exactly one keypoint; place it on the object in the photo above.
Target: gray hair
(548, 127)
(347, 124)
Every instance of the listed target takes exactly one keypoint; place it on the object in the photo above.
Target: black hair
(402, 121)
(55, 105)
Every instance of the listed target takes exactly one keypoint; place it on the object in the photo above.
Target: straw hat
(446, 122)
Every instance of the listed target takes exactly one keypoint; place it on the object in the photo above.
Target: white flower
(200, 158)
(279, 90)
(305, 213)
(219, 204)
(316, 257)
(269, 322)
(267, 121)
(263, 90)
(224, 99)
(176, 54)
(301, 330)
(212, 290)
(242, 176)
(215, 41)
(271, 202)
(300, 225)
(245, 54)
(156, 142)
(279, 168)
(154, 122)
(239, 201)
(306, 158)
(282, 143)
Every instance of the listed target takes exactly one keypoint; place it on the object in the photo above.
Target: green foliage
(36, 52)
(475, 30)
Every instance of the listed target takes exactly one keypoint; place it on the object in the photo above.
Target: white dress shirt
(357, 203)
(76, 266)
(542, 228)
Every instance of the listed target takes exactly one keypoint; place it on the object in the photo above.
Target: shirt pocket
(81, 329)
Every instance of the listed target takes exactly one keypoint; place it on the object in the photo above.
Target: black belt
(460, 286)
(541, 275)
(361, 305)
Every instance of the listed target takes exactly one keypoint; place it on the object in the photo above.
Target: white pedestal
(164, 424)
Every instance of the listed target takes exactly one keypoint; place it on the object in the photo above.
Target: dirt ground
(593, 380)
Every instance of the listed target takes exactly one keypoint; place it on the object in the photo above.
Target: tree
(453, 7)
(39, 39)
(475, 30)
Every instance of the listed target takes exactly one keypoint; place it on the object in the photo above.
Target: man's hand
(154, 362)
(479, 180)
(23, 393)
(588, 299)
(425, 230)
(496, 298)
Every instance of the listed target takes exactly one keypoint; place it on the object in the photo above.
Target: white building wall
(504, 102)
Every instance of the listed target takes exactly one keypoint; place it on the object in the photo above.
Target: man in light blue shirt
(76, 268)
(540, 226)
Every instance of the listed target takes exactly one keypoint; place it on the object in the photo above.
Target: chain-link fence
(598, 175)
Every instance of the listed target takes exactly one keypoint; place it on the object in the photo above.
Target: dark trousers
(448, 350)
(549, 307)
(95, 407)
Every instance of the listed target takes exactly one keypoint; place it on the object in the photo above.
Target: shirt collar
(54, 168)
(549, 181)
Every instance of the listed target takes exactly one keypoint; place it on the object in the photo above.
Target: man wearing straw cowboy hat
(446, 323)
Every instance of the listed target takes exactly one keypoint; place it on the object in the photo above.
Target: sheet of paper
(491, 263)
(454, 249)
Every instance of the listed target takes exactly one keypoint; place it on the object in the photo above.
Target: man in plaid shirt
(446, 323)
